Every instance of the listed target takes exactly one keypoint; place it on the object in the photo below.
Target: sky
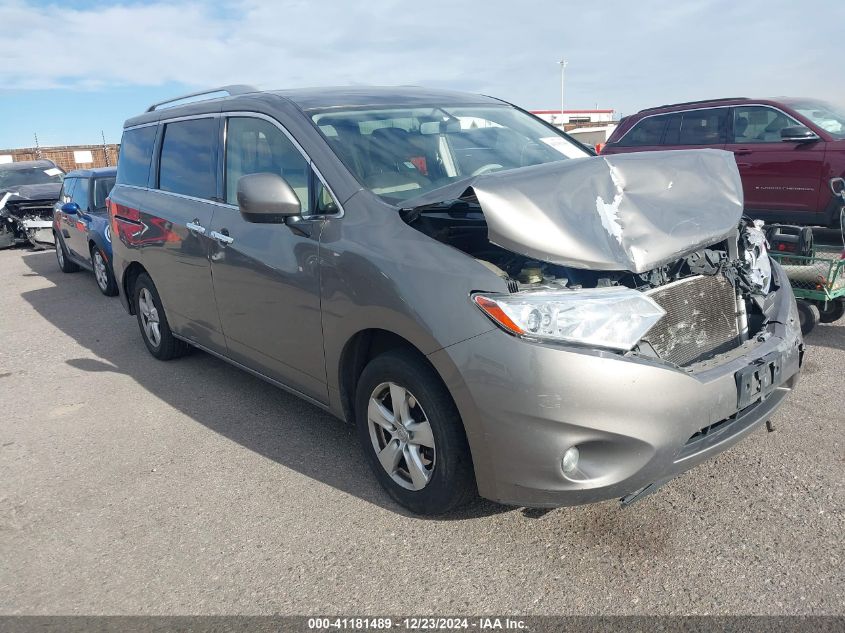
(72, 70)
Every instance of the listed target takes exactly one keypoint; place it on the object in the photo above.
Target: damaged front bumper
(636, 422)
(24, 220)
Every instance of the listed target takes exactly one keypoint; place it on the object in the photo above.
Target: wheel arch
(127, 282)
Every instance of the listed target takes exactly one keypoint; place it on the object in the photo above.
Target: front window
(760, 124)
(400, 153)
(29, 176)
(829, 118)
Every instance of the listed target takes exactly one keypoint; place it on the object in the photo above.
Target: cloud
(622, 54)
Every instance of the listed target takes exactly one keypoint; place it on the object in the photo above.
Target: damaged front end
(26, 215)
(642, 254)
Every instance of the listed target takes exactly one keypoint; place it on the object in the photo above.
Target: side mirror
(71, 208)
(798, 134)
(267, 199)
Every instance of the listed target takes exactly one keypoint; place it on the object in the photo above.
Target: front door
(77, 224)
(267, 276)
(777, 176)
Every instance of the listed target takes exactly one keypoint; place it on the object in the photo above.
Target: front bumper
(634, 421)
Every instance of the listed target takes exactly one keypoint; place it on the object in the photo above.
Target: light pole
(563, 63)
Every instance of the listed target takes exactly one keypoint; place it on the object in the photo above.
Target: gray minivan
(496, 309)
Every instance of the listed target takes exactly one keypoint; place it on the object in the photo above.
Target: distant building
(68, 157)
(569, 119)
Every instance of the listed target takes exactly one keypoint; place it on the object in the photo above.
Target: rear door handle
(196, 227)
(223, 237)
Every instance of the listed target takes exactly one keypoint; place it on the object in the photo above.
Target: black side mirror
(798, 134)
(267, 199)
(70, 208)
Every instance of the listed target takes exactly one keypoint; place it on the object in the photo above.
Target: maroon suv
(787, 150)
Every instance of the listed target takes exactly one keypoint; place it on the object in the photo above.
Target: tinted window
(102, 188)
(702, 127)
(67, 190)
(257, 146)
(759, 124)
(80, 193)
(647, 132)
(136, 150)
(188, 160)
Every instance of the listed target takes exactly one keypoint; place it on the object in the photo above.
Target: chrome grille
(700, 321)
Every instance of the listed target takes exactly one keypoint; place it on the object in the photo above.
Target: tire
(443, 476)
(808, 314)
(103, 273)
(833, 312)
(65, 264)
(153, 322)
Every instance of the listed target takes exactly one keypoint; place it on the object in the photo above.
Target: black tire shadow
(231, 402)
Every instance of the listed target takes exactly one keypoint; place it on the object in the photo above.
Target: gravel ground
(131, 486)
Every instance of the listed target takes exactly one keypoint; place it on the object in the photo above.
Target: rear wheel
(412, 434)
(808, 314)
(103, 272)
(832, 311)
(153, 322)
(65, 264)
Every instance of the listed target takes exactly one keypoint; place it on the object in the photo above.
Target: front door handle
(222, 237)
(196, 227)
(742, 152)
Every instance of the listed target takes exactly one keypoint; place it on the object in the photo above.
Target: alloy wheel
(60, 255)
(401, 435)
(149, 317)
(100, 271)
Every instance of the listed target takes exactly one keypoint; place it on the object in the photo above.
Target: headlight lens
(757, 257)
(614, 318)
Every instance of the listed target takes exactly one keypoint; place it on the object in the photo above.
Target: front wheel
(412, 434)
(65, 264)
(153, 322)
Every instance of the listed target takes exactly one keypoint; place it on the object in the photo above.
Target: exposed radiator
(700, 321)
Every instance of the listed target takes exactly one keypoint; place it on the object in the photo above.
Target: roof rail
(686, 103)
(234, 89)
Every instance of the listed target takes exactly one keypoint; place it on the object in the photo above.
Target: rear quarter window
(136, 151)
(188, 163)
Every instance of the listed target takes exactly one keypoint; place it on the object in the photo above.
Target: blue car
(81, 225)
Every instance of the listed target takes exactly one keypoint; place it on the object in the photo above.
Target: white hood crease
(631, 211)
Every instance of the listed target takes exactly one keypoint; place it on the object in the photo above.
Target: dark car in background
(787, 150)
(28, 191)
(81, 225)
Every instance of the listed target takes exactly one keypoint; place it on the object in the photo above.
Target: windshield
(29, 176)
(102, 188)
(828, 117)
(401, 153)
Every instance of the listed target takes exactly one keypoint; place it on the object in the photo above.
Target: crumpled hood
(632, 211)
(47, 191)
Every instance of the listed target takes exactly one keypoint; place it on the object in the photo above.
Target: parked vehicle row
(432, 266)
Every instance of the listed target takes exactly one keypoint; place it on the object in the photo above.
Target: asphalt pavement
(132, 486)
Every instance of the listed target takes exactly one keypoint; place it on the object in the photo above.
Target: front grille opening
(700, 320)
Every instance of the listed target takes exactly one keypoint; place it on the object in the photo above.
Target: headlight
(615, 318)
(757, 257)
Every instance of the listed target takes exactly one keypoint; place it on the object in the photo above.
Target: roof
(702, 103)
(585, 111)
(28, 164)
(378, 96)
(94, 172)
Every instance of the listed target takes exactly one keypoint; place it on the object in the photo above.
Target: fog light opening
(570, 459)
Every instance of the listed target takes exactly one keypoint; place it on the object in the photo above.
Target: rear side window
(80, 193)
(188, 163)
(136, 150)
(648, 131)
(701, 127)
(102, 188)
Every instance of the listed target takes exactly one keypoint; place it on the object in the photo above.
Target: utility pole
(105, 148)
(563, 63)
(37, 148)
